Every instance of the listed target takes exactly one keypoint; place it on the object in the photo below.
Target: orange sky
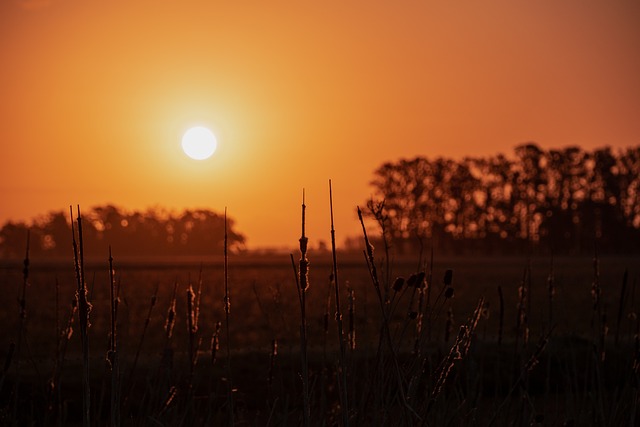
(94, 96)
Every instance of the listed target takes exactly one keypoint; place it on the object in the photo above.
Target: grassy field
(421, 357)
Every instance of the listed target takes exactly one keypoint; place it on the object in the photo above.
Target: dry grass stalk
(7, 362)
(215, 343)
(422, 290)
(272, 362)
(147, 319)
(448, 325)
(457, 352)
(621, 304)
(198, 299)
(551, 291)
(595, 292)
(374, 276)
(61, 350)
(22, 302)
(112, 355)
(378, 211)
(170, 320)
(525, 370)
(192, 329)
(344, 403)
(599, 317)
(168, 401)
(501, 316)
(352, 318)
(302, 285)
(227, 311)
(84, 308)
(522, 324)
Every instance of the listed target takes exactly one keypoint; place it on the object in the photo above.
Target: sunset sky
(95, 95)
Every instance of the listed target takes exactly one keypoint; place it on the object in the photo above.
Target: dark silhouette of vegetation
(151, 233)
(565, 201)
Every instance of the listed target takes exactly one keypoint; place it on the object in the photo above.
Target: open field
(399, 374)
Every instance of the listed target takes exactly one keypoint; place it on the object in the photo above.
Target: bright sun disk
(199, 143)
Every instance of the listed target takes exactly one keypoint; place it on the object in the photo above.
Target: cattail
(416, 280)
(304, 261)
(448, 292)
(398, 283)
(448, 277)
(84, 308)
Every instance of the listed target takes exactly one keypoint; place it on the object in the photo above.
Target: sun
(199, 143)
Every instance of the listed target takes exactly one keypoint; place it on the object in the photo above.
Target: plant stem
(303, 285)
(113, 354)
(344, 403)
(227, 309)
(83, 317)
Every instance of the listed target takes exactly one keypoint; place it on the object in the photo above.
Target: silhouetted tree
(558, 200)
(150, 233)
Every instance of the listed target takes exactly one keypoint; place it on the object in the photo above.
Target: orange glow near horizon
(95, 98)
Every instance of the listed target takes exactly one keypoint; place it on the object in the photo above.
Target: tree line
(562, 201)
(154, 232)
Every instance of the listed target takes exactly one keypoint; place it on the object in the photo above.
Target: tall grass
(112, 355)
(22, 303)
(342, 366)
(302, 285)
(84, 308)
(426, 352)
(227, 311)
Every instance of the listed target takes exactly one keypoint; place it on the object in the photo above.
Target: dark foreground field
(503, 341)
